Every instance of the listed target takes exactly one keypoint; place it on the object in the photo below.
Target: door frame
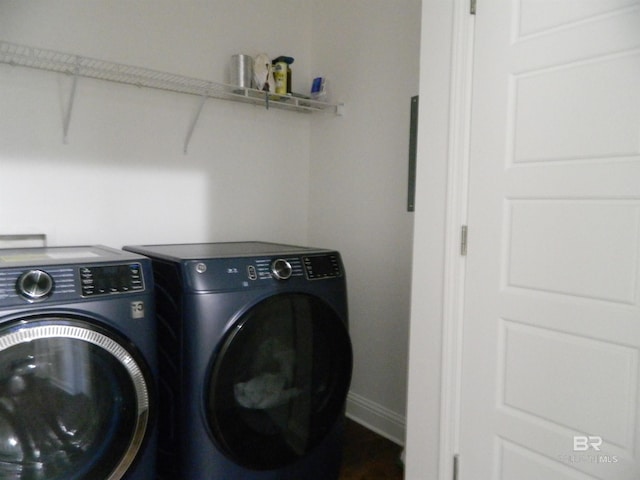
(443, 154)
(463, 29)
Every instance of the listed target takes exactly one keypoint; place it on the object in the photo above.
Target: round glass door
(73, 402)
(279, 383)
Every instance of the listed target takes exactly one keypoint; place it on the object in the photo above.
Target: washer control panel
(108, 279)
(68, 282)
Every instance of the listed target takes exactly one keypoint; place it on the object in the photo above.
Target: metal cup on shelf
(241, 71)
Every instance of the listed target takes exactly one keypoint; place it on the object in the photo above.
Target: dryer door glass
(279, 382)
(73, 402)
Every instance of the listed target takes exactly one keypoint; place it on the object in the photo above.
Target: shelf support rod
(72, 96)
(194, 121)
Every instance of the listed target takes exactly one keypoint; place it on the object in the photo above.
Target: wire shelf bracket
(194, 121)
(72, 96)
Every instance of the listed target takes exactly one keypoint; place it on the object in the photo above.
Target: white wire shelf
(54, 61)
(81, 66)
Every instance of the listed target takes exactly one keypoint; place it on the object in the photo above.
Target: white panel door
(551, 342)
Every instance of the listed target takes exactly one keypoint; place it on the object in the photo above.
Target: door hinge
(456, 463)
(463, 240)
(472, 7)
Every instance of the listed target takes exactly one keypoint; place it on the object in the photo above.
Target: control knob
(34, 285)
(281, 269)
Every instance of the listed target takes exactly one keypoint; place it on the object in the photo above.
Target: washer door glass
(279, 383)
(73, 402)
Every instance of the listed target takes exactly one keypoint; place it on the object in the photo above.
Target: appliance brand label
(137, 309)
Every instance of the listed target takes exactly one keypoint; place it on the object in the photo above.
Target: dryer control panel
(242, 272)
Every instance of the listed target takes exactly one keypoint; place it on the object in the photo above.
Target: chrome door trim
(29, 333)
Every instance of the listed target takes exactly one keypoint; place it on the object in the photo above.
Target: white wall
(122, 177)
(320, 180)
(369, 50)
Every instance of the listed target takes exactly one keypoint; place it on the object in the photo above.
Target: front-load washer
(255, 360)
(78, 365)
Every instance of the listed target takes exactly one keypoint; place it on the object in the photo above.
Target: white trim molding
(377, 418)
(456, 215)
(438, 270)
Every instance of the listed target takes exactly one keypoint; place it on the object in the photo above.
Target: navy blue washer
(78, 364)
(255, 360)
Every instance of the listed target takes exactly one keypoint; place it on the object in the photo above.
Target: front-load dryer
(78, 367)
(255, 360)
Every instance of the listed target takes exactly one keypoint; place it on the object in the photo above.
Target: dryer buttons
(34, 285)
(252, 272)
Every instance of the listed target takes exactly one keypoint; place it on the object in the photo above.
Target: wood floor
(368, 456)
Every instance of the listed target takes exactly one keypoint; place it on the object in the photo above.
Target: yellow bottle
(280, 77)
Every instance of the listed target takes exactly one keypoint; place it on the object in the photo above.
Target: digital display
(322, 266)
(111, 279)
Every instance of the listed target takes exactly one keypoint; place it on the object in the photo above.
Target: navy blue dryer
(78, 365)
(255, 360)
